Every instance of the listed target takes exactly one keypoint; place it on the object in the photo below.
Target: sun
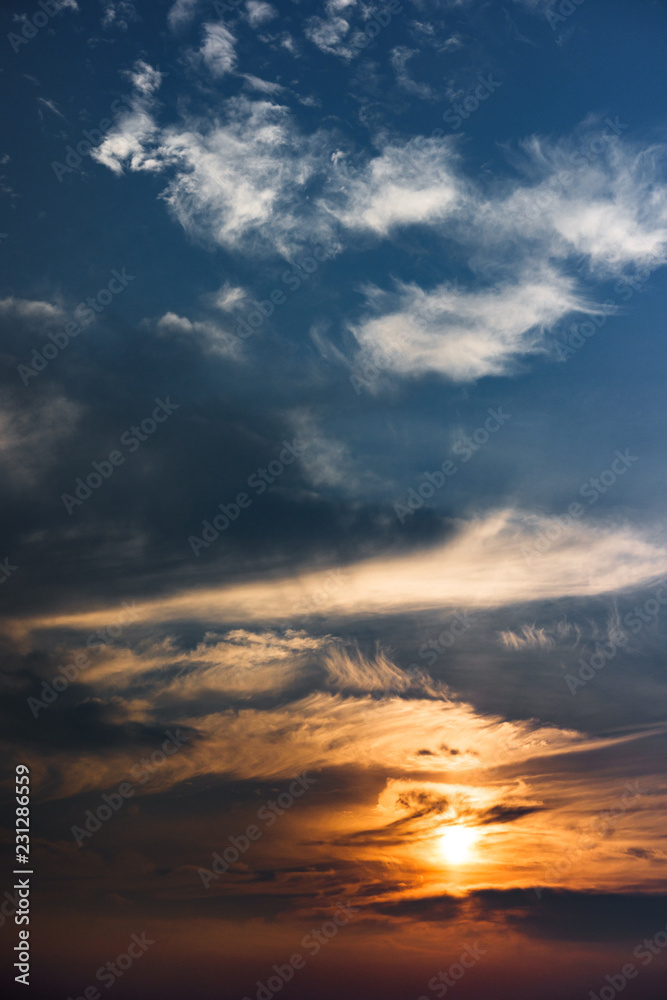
(457, 842)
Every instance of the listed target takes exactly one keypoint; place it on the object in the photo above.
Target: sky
(334, 563)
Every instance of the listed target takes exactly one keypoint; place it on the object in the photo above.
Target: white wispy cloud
(604, 200)
(127, 144)
(265, 86)
(399, 60)
(609, 209)
(414, 183)
(482, 565)
(258, 12)
(118, 14)
(182, 12)
(227, 297)
(217, 50)
(210, 336)
(235, 181)
(51, 105)
(250, 179)
(330, 33)
(240, 184)
(466, 335)
(324, 459)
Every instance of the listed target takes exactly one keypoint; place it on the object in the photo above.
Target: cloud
(261, 706)
(606, 203)
(125, 144)
(348, 670)
(251, 180)
(399, 60)
(410, 184)
(334, 34)
(421, 811)
(467, 335)
(544, 637)
(228, 297)
(328, 32)
(258, 12)
(51, 105)
(217, 51)
(32, 311)
(207, 333)
(557, 915)
(182, 12)
(32, 434)
(118, 14)
(596, 197)
(240, 663)
(274, 730)
(599, 200)
(265, 86)
(145, 78)
(239, 184)
(325, 460)
(482, 565)
(576, 916)
(530, 637)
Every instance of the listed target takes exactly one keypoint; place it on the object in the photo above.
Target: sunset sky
(334, 557)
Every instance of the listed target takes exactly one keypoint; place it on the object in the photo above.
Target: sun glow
(457, 842)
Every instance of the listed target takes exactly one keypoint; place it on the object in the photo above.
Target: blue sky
(374, 232)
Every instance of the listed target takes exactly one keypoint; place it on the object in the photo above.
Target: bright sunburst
(457, 842)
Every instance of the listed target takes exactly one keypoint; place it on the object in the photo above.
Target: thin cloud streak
(481, 566)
